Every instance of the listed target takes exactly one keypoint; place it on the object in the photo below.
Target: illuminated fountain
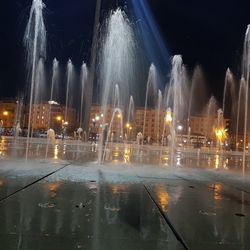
(158, 115)
(68, 88)
(151, 89)
(240, 109)
(117, 74)
(84, 79)
(176, 100)
(35, 44)
(246, 76)
(131, 111)
(116, 63)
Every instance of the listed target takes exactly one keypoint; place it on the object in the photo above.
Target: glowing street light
(180, 127)
(5, 113)
(169, 117)
(59, 118)
(221, 134)
(127, 125)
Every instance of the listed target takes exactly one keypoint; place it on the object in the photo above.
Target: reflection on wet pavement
(108, 218)
(69, 201)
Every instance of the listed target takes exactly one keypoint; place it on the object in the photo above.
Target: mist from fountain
(35, 44)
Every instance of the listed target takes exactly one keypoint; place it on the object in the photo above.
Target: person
(149, 140)
(51, 135)
(139, 138)
(17, 129)
(93, 132)
(1, 128)
(105, 133)
(79, 133)
(64, 128)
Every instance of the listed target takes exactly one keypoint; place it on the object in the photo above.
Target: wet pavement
(69, 201)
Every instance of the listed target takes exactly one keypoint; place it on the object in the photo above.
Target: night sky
(209, 33)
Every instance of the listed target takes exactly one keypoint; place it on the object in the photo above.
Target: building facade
(8, 112)
(45, 116)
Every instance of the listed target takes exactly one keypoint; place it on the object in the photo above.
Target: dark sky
(210, 33)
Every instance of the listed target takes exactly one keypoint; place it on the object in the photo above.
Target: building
(8, 112)
(205, 126)
(155, 125)
(45, 116)
(115, 116)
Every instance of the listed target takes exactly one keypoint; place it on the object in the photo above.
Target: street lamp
(180, 127)
(58, 118)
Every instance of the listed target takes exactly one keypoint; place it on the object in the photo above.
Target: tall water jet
(116, 98)
(84, 78)
(158, 115)
(177, 99)
(240, 109)
(131, 110)
(54, 83)
(245, 74)
(68, 87)
(35, 44)
(39, 89)
(109, 132)
(230, 99)
(210, 112)
(152, 87)
(197, 95)
(55, 79)
(116, 60)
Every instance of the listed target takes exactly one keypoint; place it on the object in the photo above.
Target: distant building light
(5, 113)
